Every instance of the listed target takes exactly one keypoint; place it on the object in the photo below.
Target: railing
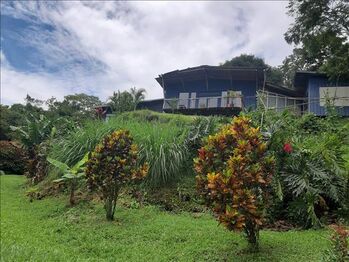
(203, 102)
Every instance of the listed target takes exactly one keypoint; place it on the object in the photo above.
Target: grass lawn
(47, 230)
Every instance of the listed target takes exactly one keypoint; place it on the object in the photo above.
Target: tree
(71, 176)
(77, 106)
(113, 164)
(138, 95)
(121, 102)
(321, 31)
(291, 64)
(233, 172)
(273, 74)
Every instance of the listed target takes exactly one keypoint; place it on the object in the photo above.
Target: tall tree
(77, 106)
(121, 102)
(273, 74)
(320, 33)
(138, 96)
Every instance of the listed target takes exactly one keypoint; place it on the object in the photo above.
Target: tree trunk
(110, 204)
(252, 235)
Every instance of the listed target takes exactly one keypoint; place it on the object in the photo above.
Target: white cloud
(125, 44)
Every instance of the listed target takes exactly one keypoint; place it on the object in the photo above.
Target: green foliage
(320, 33)
(77, 107)
(138, 95)
(35, 137)
(233, 174)
(35, 131)
(160, 138)
(71, 176)
(113, 164)
(121, 102)
(127, 100)
(311, 180)
(12, 158)
(273, 74)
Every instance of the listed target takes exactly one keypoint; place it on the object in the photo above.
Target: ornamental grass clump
(113, 164)
(233, 171)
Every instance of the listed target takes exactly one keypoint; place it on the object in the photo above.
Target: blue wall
(313, 94)
(215, 88)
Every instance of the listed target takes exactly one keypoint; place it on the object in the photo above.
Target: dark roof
(203, 71)
(282, 90)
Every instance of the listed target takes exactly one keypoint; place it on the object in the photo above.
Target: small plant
(339, 251)
(233, 171)
(113, 164)
(71, 176)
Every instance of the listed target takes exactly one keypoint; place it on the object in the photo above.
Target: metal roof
(217, 72)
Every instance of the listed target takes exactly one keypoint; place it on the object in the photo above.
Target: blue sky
(59, 48)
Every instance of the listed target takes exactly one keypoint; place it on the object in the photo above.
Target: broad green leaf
(79, 164)
(58, 164)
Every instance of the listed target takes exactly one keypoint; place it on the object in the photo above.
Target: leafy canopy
(320, 33)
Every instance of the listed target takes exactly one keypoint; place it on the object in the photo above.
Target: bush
(310, 178)
(233, 171)
(12, 158)
(113, 164)
(313, 177)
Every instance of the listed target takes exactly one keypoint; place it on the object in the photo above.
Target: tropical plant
(313, 175)
(121, 102)
(138, 95)
(71, 176)
(233, 172)
(113, 164)
(32, 137)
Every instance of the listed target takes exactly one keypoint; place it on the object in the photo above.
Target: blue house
(317, 88)
(209, 90)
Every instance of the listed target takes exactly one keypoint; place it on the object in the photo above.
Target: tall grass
(162, 143)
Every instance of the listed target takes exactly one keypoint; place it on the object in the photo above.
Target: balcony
(203, 102)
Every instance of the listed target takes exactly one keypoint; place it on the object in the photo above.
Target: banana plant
(71, 175)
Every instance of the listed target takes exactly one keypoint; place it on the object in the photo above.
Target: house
(317, 88)
(209, 90)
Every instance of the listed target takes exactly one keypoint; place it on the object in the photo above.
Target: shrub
(233, 171)
(313, 177)
(12, 158)
(113, 164)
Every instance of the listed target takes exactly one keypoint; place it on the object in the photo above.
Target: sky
(53, 49)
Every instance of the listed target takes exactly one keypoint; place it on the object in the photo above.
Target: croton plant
(233, 172)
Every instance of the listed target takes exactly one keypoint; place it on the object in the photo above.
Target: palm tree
(138, 95)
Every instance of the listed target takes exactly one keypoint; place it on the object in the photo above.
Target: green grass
(47, 230)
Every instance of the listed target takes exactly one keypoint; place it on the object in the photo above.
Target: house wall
(313, 94)
(154, 105)
(213, 88)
